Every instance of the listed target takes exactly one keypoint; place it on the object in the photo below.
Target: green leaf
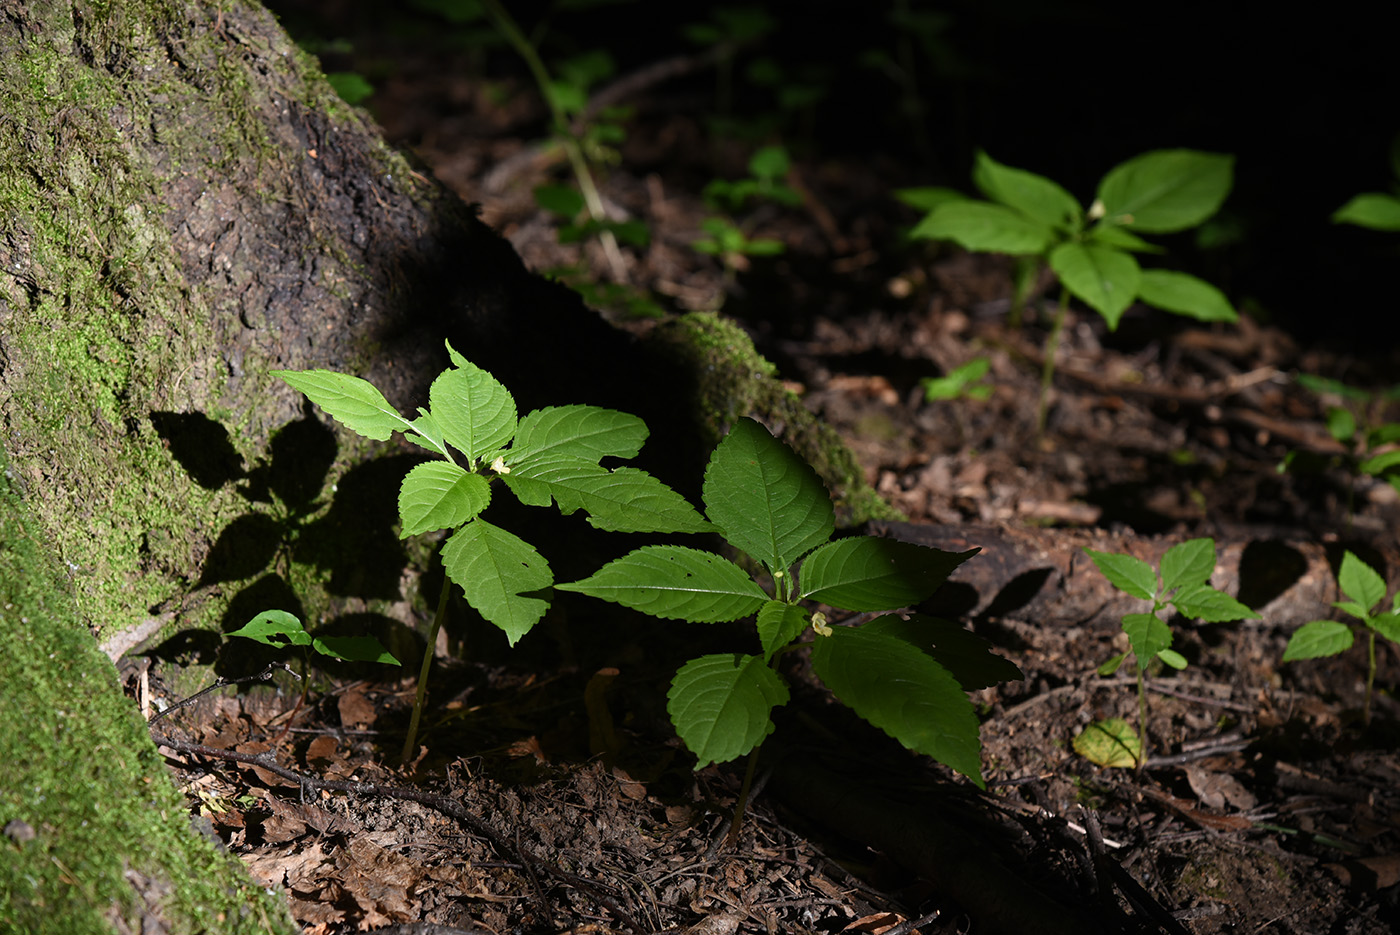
(1341, 424)
(873, 573)
(779, 624)
(979, 225)
(354, 402)
(1374, 210)
(1107, 279)
(904, 693)
(1387, 625)
(1148, 636)
(1111, 742)
(354, 649)
(1186, 295)
(475, 412)
(721, 705)
(1360, 582)
(967, 656)
(1189, 562)
(1111, 235)
(1033, 195)
(426, 434)
(275, 628)
(620, 500)
(675, 582)
(500, 574)
(958, 381)
(1172, 658)
(1353, 608)
(1111, 666)
(765, 499)
(1166, 190)
(440, 495)
(928, 198)
(770, 162)
(1381, 463)
(1318, 638)
(563, 200)
(350, 86)
(1130, 575)
(1202, 602)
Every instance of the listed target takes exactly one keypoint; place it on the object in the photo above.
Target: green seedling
(280, 629)
(567, 98)
(796, 94)
(1376, 210)
(905, 675)
(732, 244)
(1358, 426)
(551, 455)
(1091, 250)
(768, 167)
(1182, 585)
(960, 382)
(1365, 590)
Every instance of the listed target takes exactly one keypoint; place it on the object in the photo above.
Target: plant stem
(1370, 675)
(1047, 371)
(739, 807)
(408, 744)
(562, 131)
(1142, 719)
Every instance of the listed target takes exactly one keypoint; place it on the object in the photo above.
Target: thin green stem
(1047, 370)
(411, 739)
(1142, 717)
(1370, 675)
(742, 804)
(562, 131)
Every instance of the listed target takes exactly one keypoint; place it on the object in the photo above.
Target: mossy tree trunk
(185, 206)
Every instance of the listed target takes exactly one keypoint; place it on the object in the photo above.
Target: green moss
(112, 838)
(733, 380)
(98, 325)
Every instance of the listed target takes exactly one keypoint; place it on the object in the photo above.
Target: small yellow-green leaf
(1111, 742)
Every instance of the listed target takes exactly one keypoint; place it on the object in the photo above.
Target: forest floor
(1267, 804)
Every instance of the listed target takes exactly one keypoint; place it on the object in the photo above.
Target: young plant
(1376, 210)
(768, 167)
(900, 674)
(1366, 592)
(960, 382)
(280, 629)
(567, 99)
(1358, 426)
(551, 455)
(1184, 572)
(1091, 250)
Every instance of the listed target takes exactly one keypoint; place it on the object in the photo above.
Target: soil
(1268, 802)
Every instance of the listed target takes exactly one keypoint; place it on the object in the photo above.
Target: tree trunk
(185, 206)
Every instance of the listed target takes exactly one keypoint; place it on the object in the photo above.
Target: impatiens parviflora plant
(551, 455)
(1358, 426)
(1091, 250)
(1184, 572)
(1366, 592)
(901, 674)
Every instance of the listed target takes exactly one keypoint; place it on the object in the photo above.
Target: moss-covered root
(733, 380)
(97, 838)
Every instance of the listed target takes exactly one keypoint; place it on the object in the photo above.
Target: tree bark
(185, 206)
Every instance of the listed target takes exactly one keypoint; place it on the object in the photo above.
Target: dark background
(1306, 100)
